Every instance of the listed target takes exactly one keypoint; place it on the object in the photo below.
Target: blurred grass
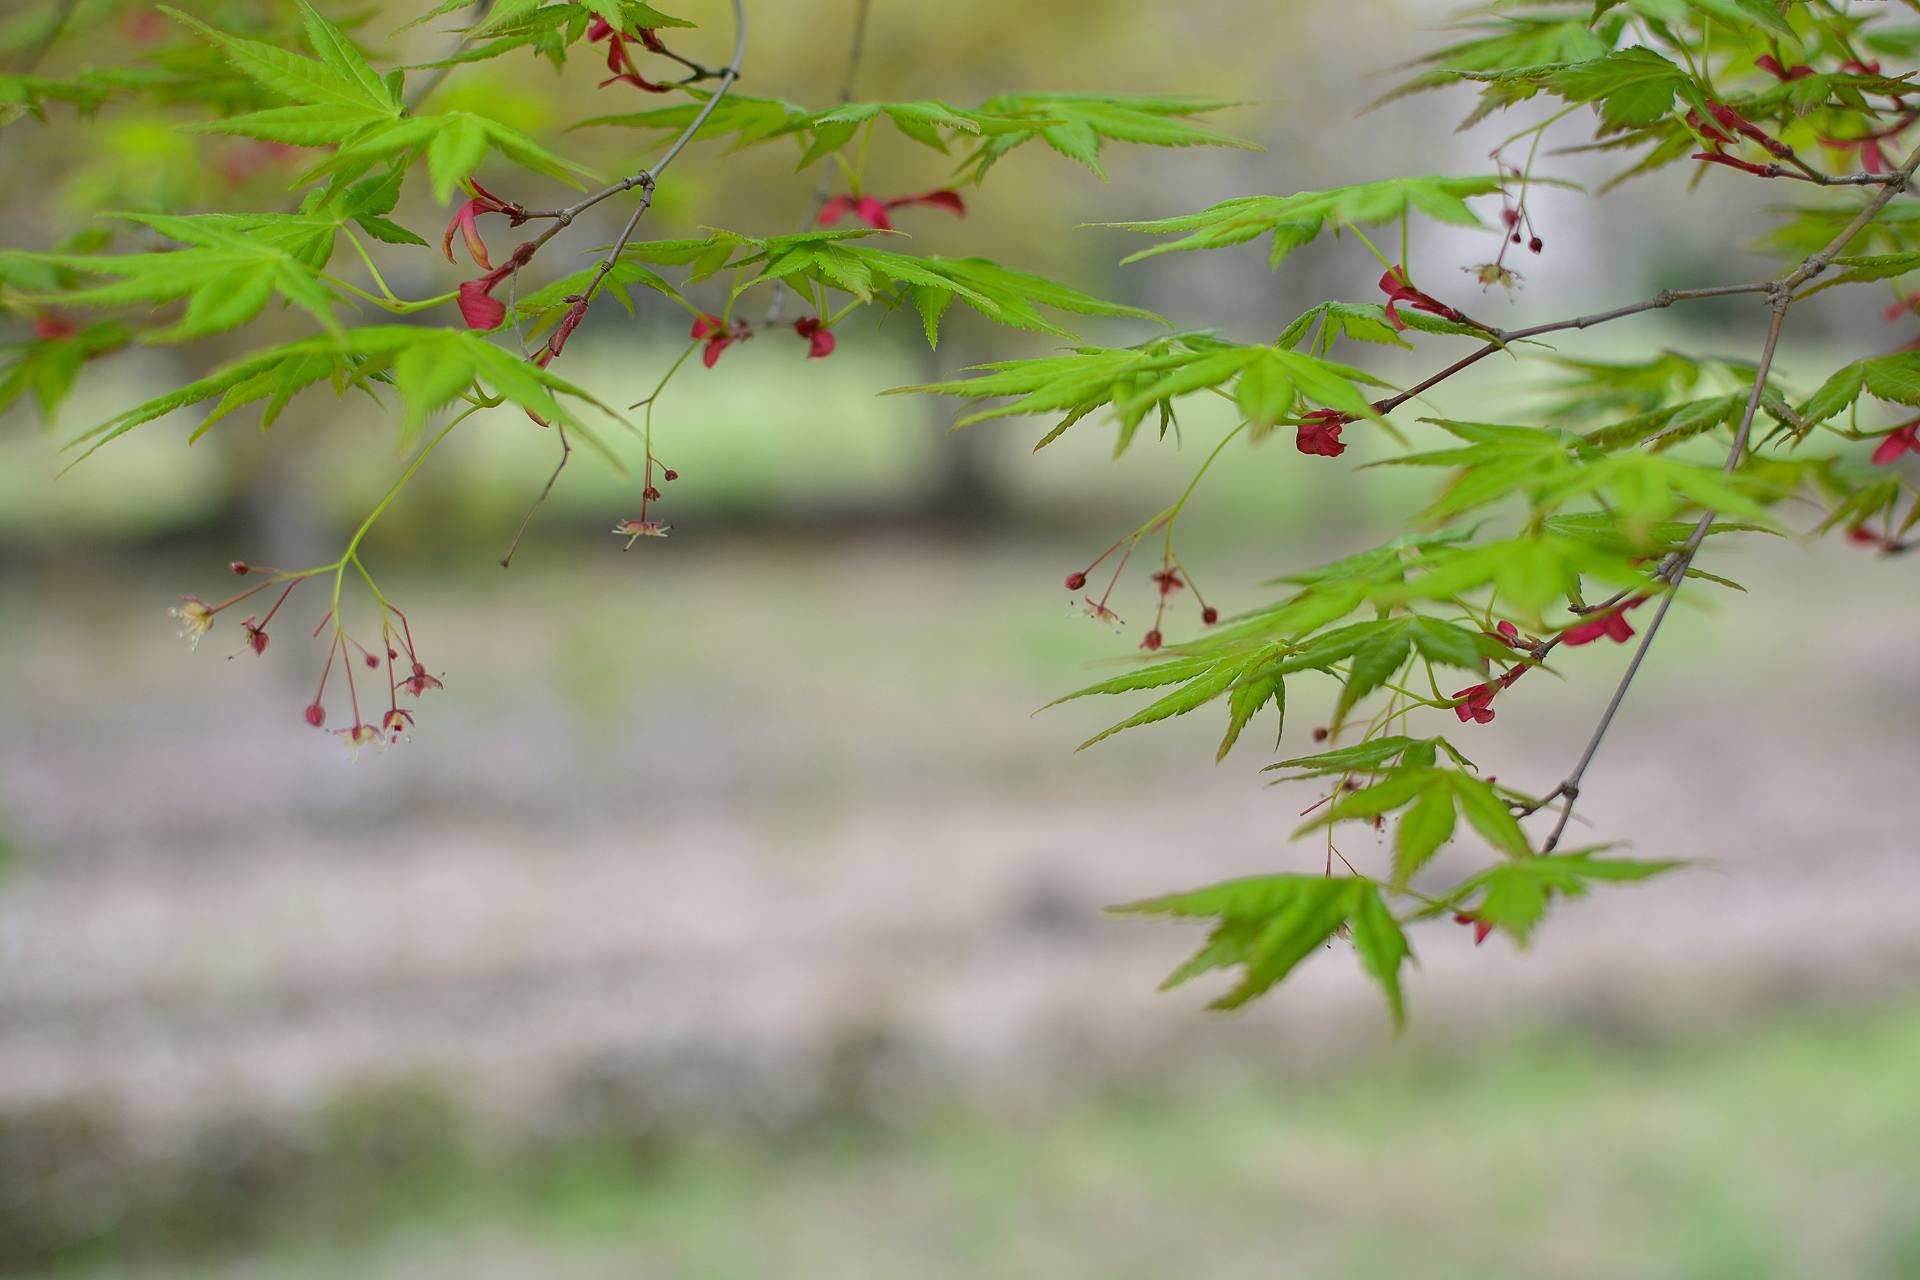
(1783, 1152)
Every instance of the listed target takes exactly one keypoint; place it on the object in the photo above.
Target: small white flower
(196, 618)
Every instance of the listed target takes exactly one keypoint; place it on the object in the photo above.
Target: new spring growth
(875, 212)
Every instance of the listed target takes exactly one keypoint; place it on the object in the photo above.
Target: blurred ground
(797, 858)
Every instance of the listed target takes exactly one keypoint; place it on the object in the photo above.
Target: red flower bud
(316, 715)
(1209, 615)
(1320, 733)
(1536, 244)
(819, 338)
(670, 475)
(238, 567)
(1076, 580)
(1319, 433)
(1151, 640)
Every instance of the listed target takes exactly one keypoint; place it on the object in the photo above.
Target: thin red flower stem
(277, 603)
(1118, 569)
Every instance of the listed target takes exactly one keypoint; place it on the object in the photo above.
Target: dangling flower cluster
(198, 618)
(1516, 225)
(1168, 581)
(635, 528)
(875, 212)
(1171, 578)
(395, 723)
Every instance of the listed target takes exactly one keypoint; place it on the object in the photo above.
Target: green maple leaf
(1299, 219)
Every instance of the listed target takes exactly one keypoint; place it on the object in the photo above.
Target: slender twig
(646, 180)
(1502, 338)
(566, 451)
(823, 189)
(31, 57)
(1674, 571)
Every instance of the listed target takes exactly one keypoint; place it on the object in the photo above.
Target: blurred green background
(729, 915)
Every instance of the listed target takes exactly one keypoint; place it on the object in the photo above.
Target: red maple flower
(478, 307)
(1319, 433)
(1481, 928)
(1399, 289)
(479, 201)
(256, 633)
(1872, 158)
(1902, 440)
(874, 212)
(718, 336)
(1612, 623)
(419, 682)
(51, 326)
(819, 337)
(1767, 62)
(1478, 703)
(620, 60)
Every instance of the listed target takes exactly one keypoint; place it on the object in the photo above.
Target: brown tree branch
(646, 180)
(1780, 295)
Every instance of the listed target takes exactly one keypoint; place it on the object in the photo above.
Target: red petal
(1891, 448)
(943, 199)
(479, 308)
(834, 210)
(873, 213)
(463, 223)
(819, 344)
(705, 326)
(715, 346)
